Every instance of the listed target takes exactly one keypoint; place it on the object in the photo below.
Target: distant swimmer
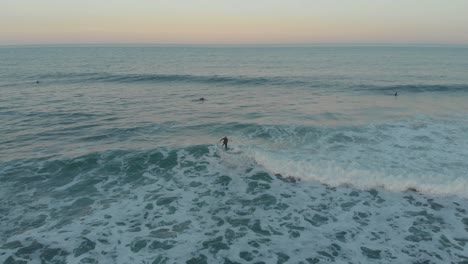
(37, 81)
(396, 94)
(201, 99)
(225, 142)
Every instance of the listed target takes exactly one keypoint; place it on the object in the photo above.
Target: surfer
(225, 141)
(201, 100)
(396, 94)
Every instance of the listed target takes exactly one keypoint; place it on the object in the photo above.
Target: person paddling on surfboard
(225, 141)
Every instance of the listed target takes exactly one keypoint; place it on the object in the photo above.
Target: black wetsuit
(225, 142)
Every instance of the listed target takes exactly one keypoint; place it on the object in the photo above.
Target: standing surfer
(225, 142)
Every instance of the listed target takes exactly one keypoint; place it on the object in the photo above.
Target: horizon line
(240, 44)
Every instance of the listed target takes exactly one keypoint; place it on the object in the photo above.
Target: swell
(111, 160)
(414, 88)
(292, 81)
(127, 166)
(165, 78)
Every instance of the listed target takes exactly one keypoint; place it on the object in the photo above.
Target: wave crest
(181, 78)
(415, 88)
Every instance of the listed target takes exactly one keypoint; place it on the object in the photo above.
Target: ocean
(108, 155)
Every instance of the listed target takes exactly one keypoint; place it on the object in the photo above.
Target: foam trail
(418, 154)
(332, 174)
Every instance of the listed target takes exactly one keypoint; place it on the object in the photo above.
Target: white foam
(422, 154)
(304, 216)
(333, 174)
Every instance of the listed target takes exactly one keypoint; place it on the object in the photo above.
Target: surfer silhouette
(201, 100)
(396, 94)
(225, 142)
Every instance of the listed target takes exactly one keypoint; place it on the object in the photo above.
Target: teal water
(108, 156)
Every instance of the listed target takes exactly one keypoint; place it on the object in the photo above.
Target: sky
(33, 22)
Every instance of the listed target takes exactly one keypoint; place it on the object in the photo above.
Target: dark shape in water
(201, 100)
(85, 246)
(287, 178)
(225, 142)
(198, 260)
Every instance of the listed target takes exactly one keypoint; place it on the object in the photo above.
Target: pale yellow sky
(233, 22)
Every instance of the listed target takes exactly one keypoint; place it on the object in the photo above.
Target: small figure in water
(37, 82)
(225, 141)
(396, 94)
(202, 99)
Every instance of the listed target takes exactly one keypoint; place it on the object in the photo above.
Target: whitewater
(108, 155)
